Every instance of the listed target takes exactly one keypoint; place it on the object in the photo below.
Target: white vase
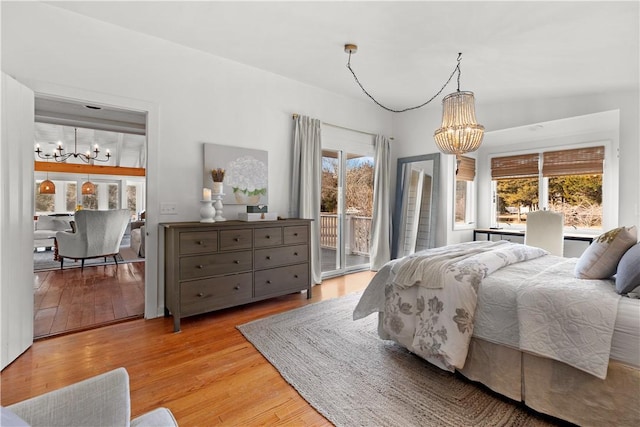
(217, 187)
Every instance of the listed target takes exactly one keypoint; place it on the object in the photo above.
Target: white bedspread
(568, 319)
(436, 320)
(549, 313)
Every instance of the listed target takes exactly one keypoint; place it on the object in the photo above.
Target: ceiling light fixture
(88, 188)
(460, 132)
(47, 186)
(60, 156)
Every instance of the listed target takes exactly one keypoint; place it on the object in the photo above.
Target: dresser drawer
(296, 234)
(201, 296)
(273, 257)
(282, 279)
(194, 267)
(267, 237)
(235, 239)
(198, 242)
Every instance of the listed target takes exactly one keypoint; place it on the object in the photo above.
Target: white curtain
(306, 182)
(380, 250)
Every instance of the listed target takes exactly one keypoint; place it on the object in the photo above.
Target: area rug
(353, 378)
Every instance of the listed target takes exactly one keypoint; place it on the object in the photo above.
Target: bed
(516, 319)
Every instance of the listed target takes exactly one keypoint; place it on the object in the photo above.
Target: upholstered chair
(102, 400)
(98, 234)
(545, 229)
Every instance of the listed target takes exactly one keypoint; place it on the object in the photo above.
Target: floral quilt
(430, 298)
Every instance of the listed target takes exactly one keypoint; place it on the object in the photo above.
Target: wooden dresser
(210, 266)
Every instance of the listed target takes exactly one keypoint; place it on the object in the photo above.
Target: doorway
(103, 293)
(346, 209)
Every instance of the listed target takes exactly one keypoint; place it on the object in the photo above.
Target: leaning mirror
(414, 217)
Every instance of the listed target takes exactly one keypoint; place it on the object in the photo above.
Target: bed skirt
(554, 388)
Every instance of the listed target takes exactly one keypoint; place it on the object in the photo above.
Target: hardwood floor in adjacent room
(74, 299)
(207, 374)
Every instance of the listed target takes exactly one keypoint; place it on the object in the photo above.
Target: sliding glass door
(346, 207)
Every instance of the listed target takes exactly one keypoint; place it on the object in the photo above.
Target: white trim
(154, 265)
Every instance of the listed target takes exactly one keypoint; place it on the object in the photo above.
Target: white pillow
(601, 258)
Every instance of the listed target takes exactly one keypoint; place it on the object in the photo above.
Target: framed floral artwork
(245, 173)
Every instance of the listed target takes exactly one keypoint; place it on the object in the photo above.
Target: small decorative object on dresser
(207, 211)
(214, 266)
(218, 179)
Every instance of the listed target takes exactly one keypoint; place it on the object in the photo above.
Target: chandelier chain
(456, 69)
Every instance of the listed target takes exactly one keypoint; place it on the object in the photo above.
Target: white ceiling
(406, 49)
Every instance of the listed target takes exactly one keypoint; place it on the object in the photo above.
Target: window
(515, 187)
(566, 181)
(464, 214)
(71, 195)
(131, 201)
(114, 196)
(44, 203)
(574, 181)
(63, 201)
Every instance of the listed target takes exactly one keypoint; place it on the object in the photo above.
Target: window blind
(581, 161)
(522, 166)
(466, 169)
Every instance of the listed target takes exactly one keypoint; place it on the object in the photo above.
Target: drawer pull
(295, 276)
(201, 266)
(268, 282)
(200, 242)
(236, 287)
(295, 234)
(295, 254)
(200, 294)
(236, 261)
(267, 236)
(268, 257)
(236, 239)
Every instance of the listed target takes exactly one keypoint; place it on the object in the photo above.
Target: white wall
(414, 135)
(196, 98)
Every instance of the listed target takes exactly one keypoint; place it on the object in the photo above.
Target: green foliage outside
(578, 197)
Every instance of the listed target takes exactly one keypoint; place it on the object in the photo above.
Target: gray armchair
(102, 400)
(98, 234)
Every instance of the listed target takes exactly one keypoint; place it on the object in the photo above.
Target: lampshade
(460, 132)
(47, 187)
(88, 188)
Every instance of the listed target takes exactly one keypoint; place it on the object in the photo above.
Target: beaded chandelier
(460, 132)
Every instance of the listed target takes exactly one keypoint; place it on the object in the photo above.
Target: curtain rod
(295, 116)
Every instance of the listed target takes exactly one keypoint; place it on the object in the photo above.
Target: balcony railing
(357, 232)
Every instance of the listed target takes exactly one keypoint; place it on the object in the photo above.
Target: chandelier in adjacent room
(460, 132)
(60, 156)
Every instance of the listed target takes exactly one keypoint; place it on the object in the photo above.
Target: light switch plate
(168, 209)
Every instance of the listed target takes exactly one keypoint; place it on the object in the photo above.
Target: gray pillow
(628, 274)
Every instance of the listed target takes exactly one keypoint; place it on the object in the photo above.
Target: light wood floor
(74, 299)
(207, 374)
